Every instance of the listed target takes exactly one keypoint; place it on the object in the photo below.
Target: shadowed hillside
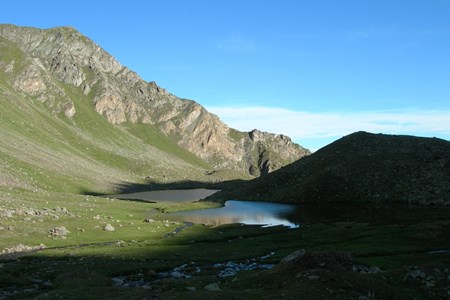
(360, 167)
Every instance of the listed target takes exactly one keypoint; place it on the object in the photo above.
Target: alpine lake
(233, 212)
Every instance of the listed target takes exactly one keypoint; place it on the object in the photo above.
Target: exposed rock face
(360, 167)
(62, 56)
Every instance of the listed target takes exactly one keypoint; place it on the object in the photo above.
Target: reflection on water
(244, 212)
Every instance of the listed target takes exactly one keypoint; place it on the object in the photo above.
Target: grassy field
(89, 261)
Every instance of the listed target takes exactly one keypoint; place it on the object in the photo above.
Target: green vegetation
(91, 257)
(152, 136)
(43, 149)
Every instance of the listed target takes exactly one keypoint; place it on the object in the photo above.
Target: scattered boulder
(30, 212)
(9, 228)
(60, 210)
(212, 287)
(415, 274)
(293, 256)
(6, 214)
(366, 270)
(109, 227)
(149, 220)
(20, 248)
(231, 268)
(59, 231)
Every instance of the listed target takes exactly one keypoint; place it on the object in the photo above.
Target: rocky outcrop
(53, 59)
(361, 167)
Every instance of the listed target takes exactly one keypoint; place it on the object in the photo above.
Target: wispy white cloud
(317, 127)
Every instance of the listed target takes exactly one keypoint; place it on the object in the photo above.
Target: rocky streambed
(191, 270)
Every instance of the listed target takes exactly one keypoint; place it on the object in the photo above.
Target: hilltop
(73, 118)
(361, 167)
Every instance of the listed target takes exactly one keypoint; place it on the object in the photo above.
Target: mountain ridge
(57, 65)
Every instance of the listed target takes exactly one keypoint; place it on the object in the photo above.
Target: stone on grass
(415, 274)
(59, 231)
(6, 228)
(293, 256)
(109, 227)
(212, 287)
(22, 248)
(6, 214)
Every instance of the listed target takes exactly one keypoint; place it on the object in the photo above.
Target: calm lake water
(243, 212)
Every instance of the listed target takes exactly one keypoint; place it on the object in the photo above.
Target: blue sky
(314, 70)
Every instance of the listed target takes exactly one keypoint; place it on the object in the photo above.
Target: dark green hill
(360, 167)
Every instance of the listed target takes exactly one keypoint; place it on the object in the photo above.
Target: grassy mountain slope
(41, 148)
(360, 167)
(76, 79)
(53, 138)
(47, 151)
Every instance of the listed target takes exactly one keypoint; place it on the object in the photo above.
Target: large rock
(109, 227)
(59, 231)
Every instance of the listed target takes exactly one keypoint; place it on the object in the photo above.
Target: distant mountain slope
(71, 75)
(360, 167)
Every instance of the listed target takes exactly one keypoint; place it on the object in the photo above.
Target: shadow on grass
(128, 187)
(135, 269)
(114, 270)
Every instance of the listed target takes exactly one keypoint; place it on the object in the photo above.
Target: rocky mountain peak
(62, 55)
